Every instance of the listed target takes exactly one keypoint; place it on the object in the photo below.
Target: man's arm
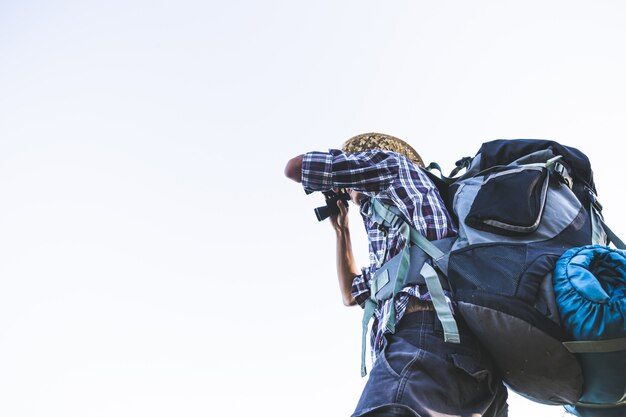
(369, 172)
(346, 265)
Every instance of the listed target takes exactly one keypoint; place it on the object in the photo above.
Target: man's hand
(340, 221)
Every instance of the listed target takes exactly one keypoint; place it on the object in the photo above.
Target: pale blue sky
(155, 260)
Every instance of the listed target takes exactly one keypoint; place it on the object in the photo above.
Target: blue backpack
(520, 206)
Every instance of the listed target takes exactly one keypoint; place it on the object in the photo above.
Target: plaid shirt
(396, 181)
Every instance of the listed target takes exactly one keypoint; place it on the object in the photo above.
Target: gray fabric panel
(535, 157)
(546, 302)
(560, 210)
(532, 363)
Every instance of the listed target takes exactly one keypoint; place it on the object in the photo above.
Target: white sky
(154, 260)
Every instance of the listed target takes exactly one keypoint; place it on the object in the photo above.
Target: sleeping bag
(590, 291)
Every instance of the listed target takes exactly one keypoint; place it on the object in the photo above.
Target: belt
(415, 304)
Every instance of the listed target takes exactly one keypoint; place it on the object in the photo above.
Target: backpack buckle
(560, 170)
(594, 199)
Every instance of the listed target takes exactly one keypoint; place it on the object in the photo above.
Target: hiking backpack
(519, 206)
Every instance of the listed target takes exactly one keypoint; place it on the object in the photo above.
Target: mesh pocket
(492, 268)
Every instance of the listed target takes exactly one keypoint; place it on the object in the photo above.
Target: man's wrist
(342, 230)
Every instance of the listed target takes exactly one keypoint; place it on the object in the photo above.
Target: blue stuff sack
(590, 291)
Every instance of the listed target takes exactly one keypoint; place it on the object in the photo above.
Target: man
(415, 372)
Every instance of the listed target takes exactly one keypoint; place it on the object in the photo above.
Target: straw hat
(383, 142)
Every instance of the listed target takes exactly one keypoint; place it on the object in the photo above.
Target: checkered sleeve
(317, 172)
(370, 171)
(360, 287)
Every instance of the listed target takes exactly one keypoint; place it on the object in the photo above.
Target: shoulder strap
(390, 217)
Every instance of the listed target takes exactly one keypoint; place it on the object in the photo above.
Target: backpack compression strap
(596, 346)
(383, 215)
(595, 219)
(599, 347)
(598, 226)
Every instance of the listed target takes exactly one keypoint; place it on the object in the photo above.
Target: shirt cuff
(317, 172)
(360, 287)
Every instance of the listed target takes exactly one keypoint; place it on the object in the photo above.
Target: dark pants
(419, 375)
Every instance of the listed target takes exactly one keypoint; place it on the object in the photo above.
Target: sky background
(154, 259)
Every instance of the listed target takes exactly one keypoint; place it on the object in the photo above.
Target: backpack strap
(389, 216)
(619, 244)
(368, 313)
(596, 346)
(599, 227)
(463, 163)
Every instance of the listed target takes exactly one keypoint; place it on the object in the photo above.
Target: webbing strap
(444, 312)
(600, 406)
(426, 245)
(370, 307)
(597, 231)
(382, 214)
(403, 269)
(450, 329)
(619, 244)
(598, 226)
(437, 296)
(596, 346)
(379, 280)
(448, 180)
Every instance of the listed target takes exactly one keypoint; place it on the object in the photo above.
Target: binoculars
(331, 208)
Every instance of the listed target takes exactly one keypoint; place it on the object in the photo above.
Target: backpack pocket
(510, 202)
